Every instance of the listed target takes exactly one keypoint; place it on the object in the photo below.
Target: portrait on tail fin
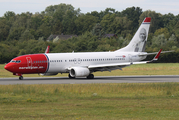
(142, 42)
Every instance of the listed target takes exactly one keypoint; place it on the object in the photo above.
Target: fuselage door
(75, 61)
(29, 61)
(79, 60)
(130, 58)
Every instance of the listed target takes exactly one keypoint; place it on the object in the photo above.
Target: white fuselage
(60, 62)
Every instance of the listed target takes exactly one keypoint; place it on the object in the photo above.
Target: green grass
(143, 69)
(136, 101)
(125, 101)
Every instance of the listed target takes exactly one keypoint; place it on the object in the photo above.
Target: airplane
(83, 64)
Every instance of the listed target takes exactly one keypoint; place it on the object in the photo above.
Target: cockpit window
(18, 61)
(15, 61)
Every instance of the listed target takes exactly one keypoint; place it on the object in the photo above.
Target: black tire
(71, 76)
(90, 76)
(20, 77)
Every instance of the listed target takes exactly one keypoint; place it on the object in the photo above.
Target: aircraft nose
(9, 67)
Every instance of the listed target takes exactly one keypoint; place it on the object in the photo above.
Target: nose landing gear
(19, 74)
(20, 77)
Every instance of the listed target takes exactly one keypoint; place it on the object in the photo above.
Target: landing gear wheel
(71, 76)
(90, 76)
(20, 77)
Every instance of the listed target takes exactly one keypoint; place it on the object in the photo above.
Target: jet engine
(79, 72)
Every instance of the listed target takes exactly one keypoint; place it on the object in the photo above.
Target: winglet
(47, 50)
(157, 56)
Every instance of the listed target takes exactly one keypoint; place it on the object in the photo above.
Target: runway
(101, 79)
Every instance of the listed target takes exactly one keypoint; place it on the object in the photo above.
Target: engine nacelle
(48, 74)
(79, 72)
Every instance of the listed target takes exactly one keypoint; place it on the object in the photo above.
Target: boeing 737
(83, 64)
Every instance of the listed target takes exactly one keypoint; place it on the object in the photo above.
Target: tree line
(26, 33)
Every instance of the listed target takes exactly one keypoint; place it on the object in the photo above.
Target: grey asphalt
(103, 79)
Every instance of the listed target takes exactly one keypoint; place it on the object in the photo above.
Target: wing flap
(109, 65)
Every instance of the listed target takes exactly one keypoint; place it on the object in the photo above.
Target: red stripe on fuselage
(34, 63)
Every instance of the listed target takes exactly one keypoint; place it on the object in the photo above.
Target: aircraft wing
(113, 66)
(108, 67)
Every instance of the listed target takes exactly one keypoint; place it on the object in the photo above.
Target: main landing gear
(90, 76)
(20, 77)
(71, 76)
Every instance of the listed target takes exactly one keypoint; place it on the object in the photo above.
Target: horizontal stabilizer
(145, 54)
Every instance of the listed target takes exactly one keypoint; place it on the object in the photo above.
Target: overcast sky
(19, 6)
